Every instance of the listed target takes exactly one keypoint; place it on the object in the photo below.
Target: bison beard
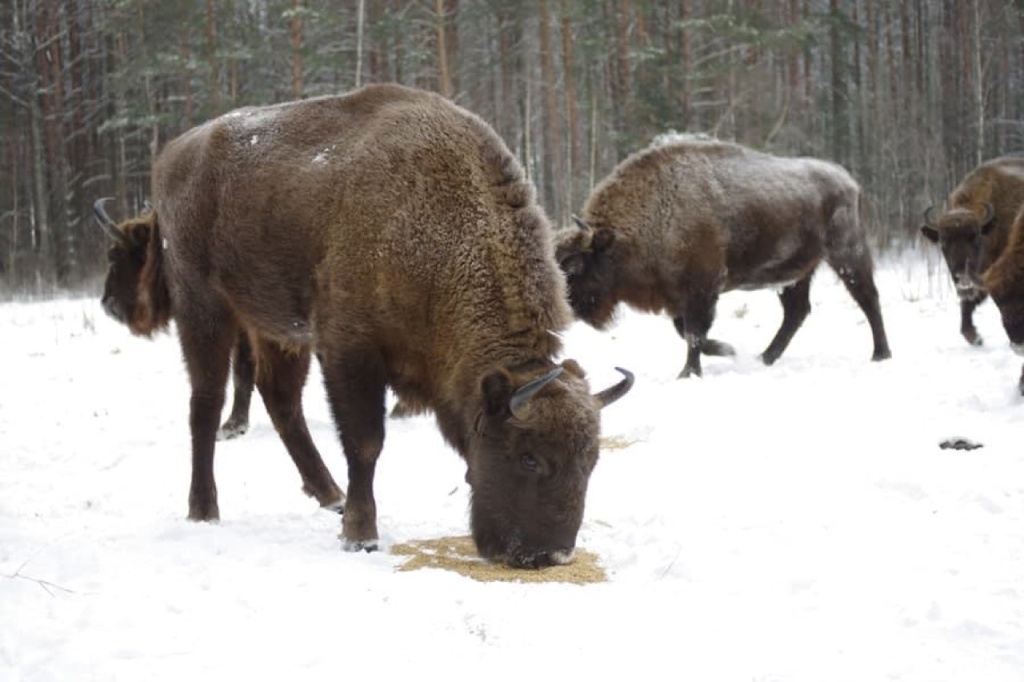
(393, 234)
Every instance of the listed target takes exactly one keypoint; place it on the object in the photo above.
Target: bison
(120, 301)
(973, 228)
(1004, 281)
(394, 235)
(675, 225)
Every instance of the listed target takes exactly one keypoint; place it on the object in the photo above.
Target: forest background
(908, 95)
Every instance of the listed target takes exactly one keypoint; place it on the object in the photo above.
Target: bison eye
(573, 265)
(529, 463)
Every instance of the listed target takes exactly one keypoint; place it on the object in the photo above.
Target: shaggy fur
(1005, 282)
(393, 234)
(972, 230)
(675, 225)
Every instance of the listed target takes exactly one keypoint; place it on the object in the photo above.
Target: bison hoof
(357, 545)
(338, 507)
(232, 429)
(717, 348)
(881, 355)
(690, 371)
(204, 513)
(974, 338)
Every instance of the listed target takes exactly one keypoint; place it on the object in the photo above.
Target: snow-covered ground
(789, 523)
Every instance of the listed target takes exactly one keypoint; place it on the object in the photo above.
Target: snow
(789, 523)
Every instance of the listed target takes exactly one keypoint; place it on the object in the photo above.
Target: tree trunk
(551, 154)
(572, 111)
(444, 85)
(214, 61)
(295, 32)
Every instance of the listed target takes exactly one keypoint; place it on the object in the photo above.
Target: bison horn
(517, 404)
(588, 231)
(929, 216)
(613, 393)
(107, 223)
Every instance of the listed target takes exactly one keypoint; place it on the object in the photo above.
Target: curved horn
(990, 212)
(106, 222)
(587, 230)
(613, 393)
(517, 404)
(929, 216)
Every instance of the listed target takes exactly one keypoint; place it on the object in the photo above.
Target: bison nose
(114, 308)
(543, 559)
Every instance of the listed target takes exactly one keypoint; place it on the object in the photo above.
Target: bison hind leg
(243, 374)
(796, 306)
(280, 379)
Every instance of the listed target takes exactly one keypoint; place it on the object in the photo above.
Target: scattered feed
(458, 554)
(616, 443)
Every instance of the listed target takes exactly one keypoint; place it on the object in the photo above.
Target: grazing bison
(973, 228)
(393, 234)
(1005, 282)
(677, 224)
(120, 301)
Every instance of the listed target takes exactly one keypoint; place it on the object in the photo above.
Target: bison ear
(138, 235)
(497, 391)
(603, 238)
(573, 367)
(930, 233)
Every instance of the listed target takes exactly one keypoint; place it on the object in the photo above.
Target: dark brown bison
(1005, 282)
(393, 234)
(973, 228)
(678, 223)
(120, 301)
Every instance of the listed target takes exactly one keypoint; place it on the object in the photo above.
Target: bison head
(530, 456)
(134, 292)
(960, 234)
(585, 256)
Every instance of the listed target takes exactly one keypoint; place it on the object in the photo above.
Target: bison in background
(973, 228)
(1005, 282)
(120, 300)
(393, 234)
(677, 224)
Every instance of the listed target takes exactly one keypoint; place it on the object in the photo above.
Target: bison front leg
(355, 389)
(967, 328)
(243, 374)
(796, 305)
(280, 384)
(693, 325)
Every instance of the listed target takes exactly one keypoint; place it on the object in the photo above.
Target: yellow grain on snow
(458, 554)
